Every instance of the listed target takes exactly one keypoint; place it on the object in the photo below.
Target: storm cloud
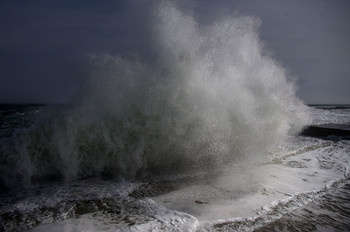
(45, 45)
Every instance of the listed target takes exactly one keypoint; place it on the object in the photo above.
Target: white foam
(325, 116)
(301, 175)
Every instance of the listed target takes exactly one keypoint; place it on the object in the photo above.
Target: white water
(301, 171)
(211, 98)
(291, 180)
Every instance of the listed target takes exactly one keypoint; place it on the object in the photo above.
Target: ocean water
(305, 187)
(205, 137)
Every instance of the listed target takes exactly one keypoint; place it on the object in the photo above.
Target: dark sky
(45, 45)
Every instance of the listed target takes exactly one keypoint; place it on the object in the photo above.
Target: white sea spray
(211, 97)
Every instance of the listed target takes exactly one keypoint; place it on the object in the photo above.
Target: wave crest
(209, 99)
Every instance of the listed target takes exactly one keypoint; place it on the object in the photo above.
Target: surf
(211, 98)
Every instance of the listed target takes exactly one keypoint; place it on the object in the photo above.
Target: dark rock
(324, 130)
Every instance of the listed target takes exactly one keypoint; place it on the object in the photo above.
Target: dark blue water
(14, 117)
